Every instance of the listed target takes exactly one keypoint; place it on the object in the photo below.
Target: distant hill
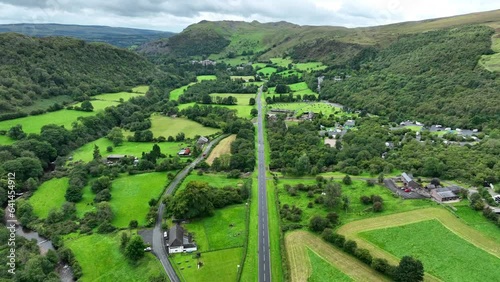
(117, 36)
(34, 68)
(333, 45)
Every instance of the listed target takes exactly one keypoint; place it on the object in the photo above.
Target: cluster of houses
(204, 62)
(337, 131)
(438, 193)
(116, 158)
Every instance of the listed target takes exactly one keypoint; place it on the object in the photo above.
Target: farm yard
(102, 260)
(168, 126)
(224, 147)
(85, 153)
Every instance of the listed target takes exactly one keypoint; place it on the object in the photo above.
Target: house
(408, 181)
(202, 141)
(114, 158)
(179, 242)
(444, 195)
(184, 152)
(350, 123)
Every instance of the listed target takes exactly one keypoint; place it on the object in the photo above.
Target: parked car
(148, 249)
(165, 234)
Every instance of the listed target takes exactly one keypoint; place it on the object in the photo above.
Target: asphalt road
(158, 246)
(264, 256)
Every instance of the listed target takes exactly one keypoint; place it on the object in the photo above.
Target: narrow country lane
(264, 256)
(158, 246)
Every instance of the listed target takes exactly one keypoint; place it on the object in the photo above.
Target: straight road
(158, 247)
(264, 256)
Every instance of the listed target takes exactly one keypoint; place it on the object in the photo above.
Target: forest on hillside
(34, 68)
(433, 77)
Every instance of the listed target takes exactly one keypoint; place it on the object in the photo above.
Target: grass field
(267, 71)
(50, 195)
(250, 267)
(457, 226)
(215, 233)
(218, 180)
(5, 140)
(310, 66)
(218, 266)
(115, 96)
(288, 73)
(129, 197)
(85, 153)
(243, 99)
(141, 89)
(33, 124)
(304, 107)
(44, 104)
(281, 62)
(437, 251)
(176, 93)
(241, 111)
(167, 126)
(492, 62)
(244, 77)
(206, 77)
(100, 105)
(101, 260)
(224, 147)
(323, 271)
(297, 244)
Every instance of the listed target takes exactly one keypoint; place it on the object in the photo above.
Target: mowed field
(50, 195)
(243, 99)
(453, 233)
(304, 107)
(176, 93)
(205, 77)
(85, 153)
(224, 147)
(129, 197)
(218, 180)
(299, 88)
(100, 105)
(242, 111)
(168, 126)
(437, 251)
(5, 140)
(344, 266)
(101, 260)
(323, 271)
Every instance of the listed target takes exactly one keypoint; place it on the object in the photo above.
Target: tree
(133, 224)
(100, 184)
(350, 246)
(409, 270)
(347, 180)
(380, 178)
(333, 217)
(303, 165)
(333, 194)
(251, 102)
(194, 201)
(135, 249)
(378, 207)
(254, 112)
(87, 106)
(102, 196)
(115, 136)
(318, 223)
(73, 194)
(16, 132)
(96, 154)
(124, 239)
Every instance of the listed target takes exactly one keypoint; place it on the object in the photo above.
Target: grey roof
(445, 189)
(350, 123)
(175, 236)
(116, 156)
(406, 177)
(446, 194)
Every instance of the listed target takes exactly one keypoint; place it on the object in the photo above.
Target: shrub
(365, 200)
(350, 246)
(310, 205)
(347, 180)
(318, 223)
(364, 255)
(377, 207)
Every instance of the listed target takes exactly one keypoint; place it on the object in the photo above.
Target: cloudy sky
(174, 15)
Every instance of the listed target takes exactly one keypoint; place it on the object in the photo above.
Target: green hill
(333, 45)
(118, 36)
(36, 68)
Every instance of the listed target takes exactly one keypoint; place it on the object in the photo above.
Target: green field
(444, 254)
(323, 271)
(176, 93)
(33, 124)
(267, 71)
(50, 195)
(259, 65)
(288, 73)
(492, 62)
(476, 220)
(244, 77)
(241, 111)
(5, 140)
(129, 197)
(206, 77)
(142, 89)
(218, 266)
(218, 180)
(85, 153)
(100, 105)
(250, 267)
(303, 107)
(243, 99)
(101, 260)
(215, 233)
(44, 104)
(310, 66)
(281, 62)
(115, 96)
(167, 126)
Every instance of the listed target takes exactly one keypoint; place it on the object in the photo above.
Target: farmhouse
(178, 242)
(184, 152)
(444, 195)
(349, 123)
(115, 158)
(408, 181)
(202, 141)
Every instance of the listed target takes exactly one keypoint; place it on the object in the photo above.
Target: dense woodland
(36, 68)
(432, 77)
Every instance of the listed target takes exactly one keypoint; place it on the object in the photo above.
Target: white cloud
(175, 15)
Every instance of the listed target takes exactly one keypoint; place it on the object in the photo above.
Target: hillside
(302, 43)
(35, 68)
(118, 36)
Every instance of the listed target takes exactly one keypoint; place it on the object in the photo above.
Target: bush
(365, 200)
(364, 255)
(347, 180)
(377, 207)
(350, 246)
(380, 265)
(318, 223)
(310, 205)
(370, 182)
(333, 218)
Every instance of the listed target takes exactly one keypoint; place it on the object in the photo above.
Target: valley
(247, 151)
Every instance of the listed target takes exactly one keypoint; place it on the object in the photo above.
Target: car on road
(165, 234)
(407, 190)
(148, 249)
